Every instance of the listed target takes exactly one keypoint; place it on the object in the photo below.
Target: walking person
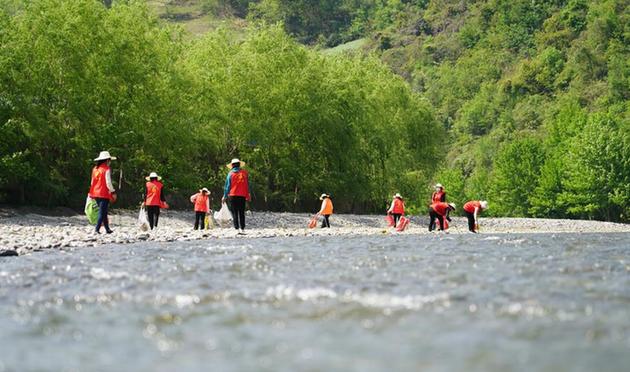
(201, 200)
(472, 209)
(154, 198)
(439, 211)
(326, 210)
(237, 192)
(102, 189)
(397, 208)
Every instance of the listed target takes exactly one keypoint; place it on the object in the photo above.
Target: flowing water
(530, 302)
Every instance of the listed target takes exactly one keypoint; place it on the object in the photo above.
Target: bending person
(440, 212)
(472, 209)
(102, 190)
(237, 192)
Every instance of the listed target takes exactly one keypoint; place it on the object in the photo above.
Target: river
(510, 302)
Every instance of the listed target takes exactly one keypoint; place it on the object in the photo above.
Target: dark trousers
(200, 220)
(325, 221)
(103, 206)
(153, 212)
(396, 218)
(471, 221)
(237, 207)
(432, 216)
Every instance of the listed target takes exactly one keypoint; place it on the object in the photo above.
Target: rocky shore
(26, 230)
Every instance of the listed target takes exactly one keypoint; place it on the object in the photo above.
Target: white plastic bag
(143, 222)
(223, 215)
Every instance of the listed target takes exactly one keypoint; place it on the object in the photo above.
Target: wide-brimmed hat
(484, 204)
(205, 189)
(452, 205)
(324, 195)
(152, 175)
(398, 196)
(104, 155)
(235, 160)
(439, 186)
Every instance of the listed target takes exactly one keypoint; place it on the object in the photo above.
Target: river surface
(529, 302)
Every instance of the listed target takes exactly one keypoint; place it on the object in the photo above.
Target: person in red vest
(472, 209)
(154, 198)
(397, 209)
(102, 190)
(439, 211)
(236, 190)
(326, 209)
(201, 200)
(438, 196)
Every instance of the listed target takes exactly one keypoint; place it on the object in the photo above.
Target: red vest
(327, 207)
(154, 193)
(98, 186)
(471, 205)
(437, 196)
(440, 208)
(399, 206)
(239, 185)
(201, 202)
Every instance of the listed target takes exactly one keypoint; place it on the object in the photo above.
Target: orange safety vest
(201, 202)
(437, 196)
(239, 185)
(440, 208)
(399, 206)
(471, 205)
(327, 206)
(154, 193)
(98, 186)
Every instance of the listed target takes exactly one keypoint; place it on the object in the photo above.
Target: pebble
(8, 252)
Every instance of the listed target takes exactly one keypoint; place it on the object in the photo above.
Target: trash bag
(91, 210)
(208, 222)
(143, 222)
(313, 222)
(390, 220)
(403, 222)
(223, 215)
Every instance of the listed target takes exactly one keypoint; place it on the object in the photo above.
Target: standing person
(397, 209)
(237, 191)
(154, 198)
(201, 200)
(439, 211)
(439, 195)
(326, 210)
(102, 190)
(472, 209)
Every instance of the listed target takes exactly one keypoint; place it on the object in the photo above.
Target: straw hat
(235, 160)
(452, 205)
(484, 204)
(205, 190)
(398, 196)
(104, 155)
(439, 186)
(324, 195)
(152, 175)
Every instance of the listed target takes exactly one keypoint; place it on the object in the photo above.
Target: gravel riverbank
(26, 230)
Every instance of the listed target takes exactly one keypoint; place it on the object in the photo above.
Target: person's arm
(475, 214)
(226, 189)
(391, 207)
(321, 210)
(208, 204)
(249, 194)
(108, 181)
(162, 198)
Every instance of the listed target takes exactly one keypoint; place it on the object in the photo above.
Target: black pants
(237, 207)
(432, 216)
(153, 212)
(325, 221)
(396, 218)
(200, 220)
(471, 221)
(103, 220)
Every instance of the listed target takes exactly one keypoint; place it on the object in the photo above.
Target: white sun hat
(235, 160)
(452, 205)
(439, 186)
(104, 155)
(398, 196)
(324, 195)
(152, 175)
(205, 189)
(484, 204)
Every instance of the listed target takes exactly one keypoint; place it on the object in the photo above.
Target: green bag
(91, 210)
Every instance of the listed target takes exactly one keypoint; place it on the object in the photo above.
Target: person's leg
(196, 220)
(327, 218)
(234, 209)
(432, 217)
(101, 214)
(396, 218)
(150, 216)
(471, 221)
(441, 221)
(325, 222)
(241, 212)
(105, 209)
(157, 215)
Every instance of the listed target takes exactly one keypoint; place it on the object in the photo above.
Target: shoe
(109, 231)
(241, 232)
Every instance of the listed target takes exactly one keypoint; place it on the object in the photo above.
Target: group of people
(236, 193)
(439, 210)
